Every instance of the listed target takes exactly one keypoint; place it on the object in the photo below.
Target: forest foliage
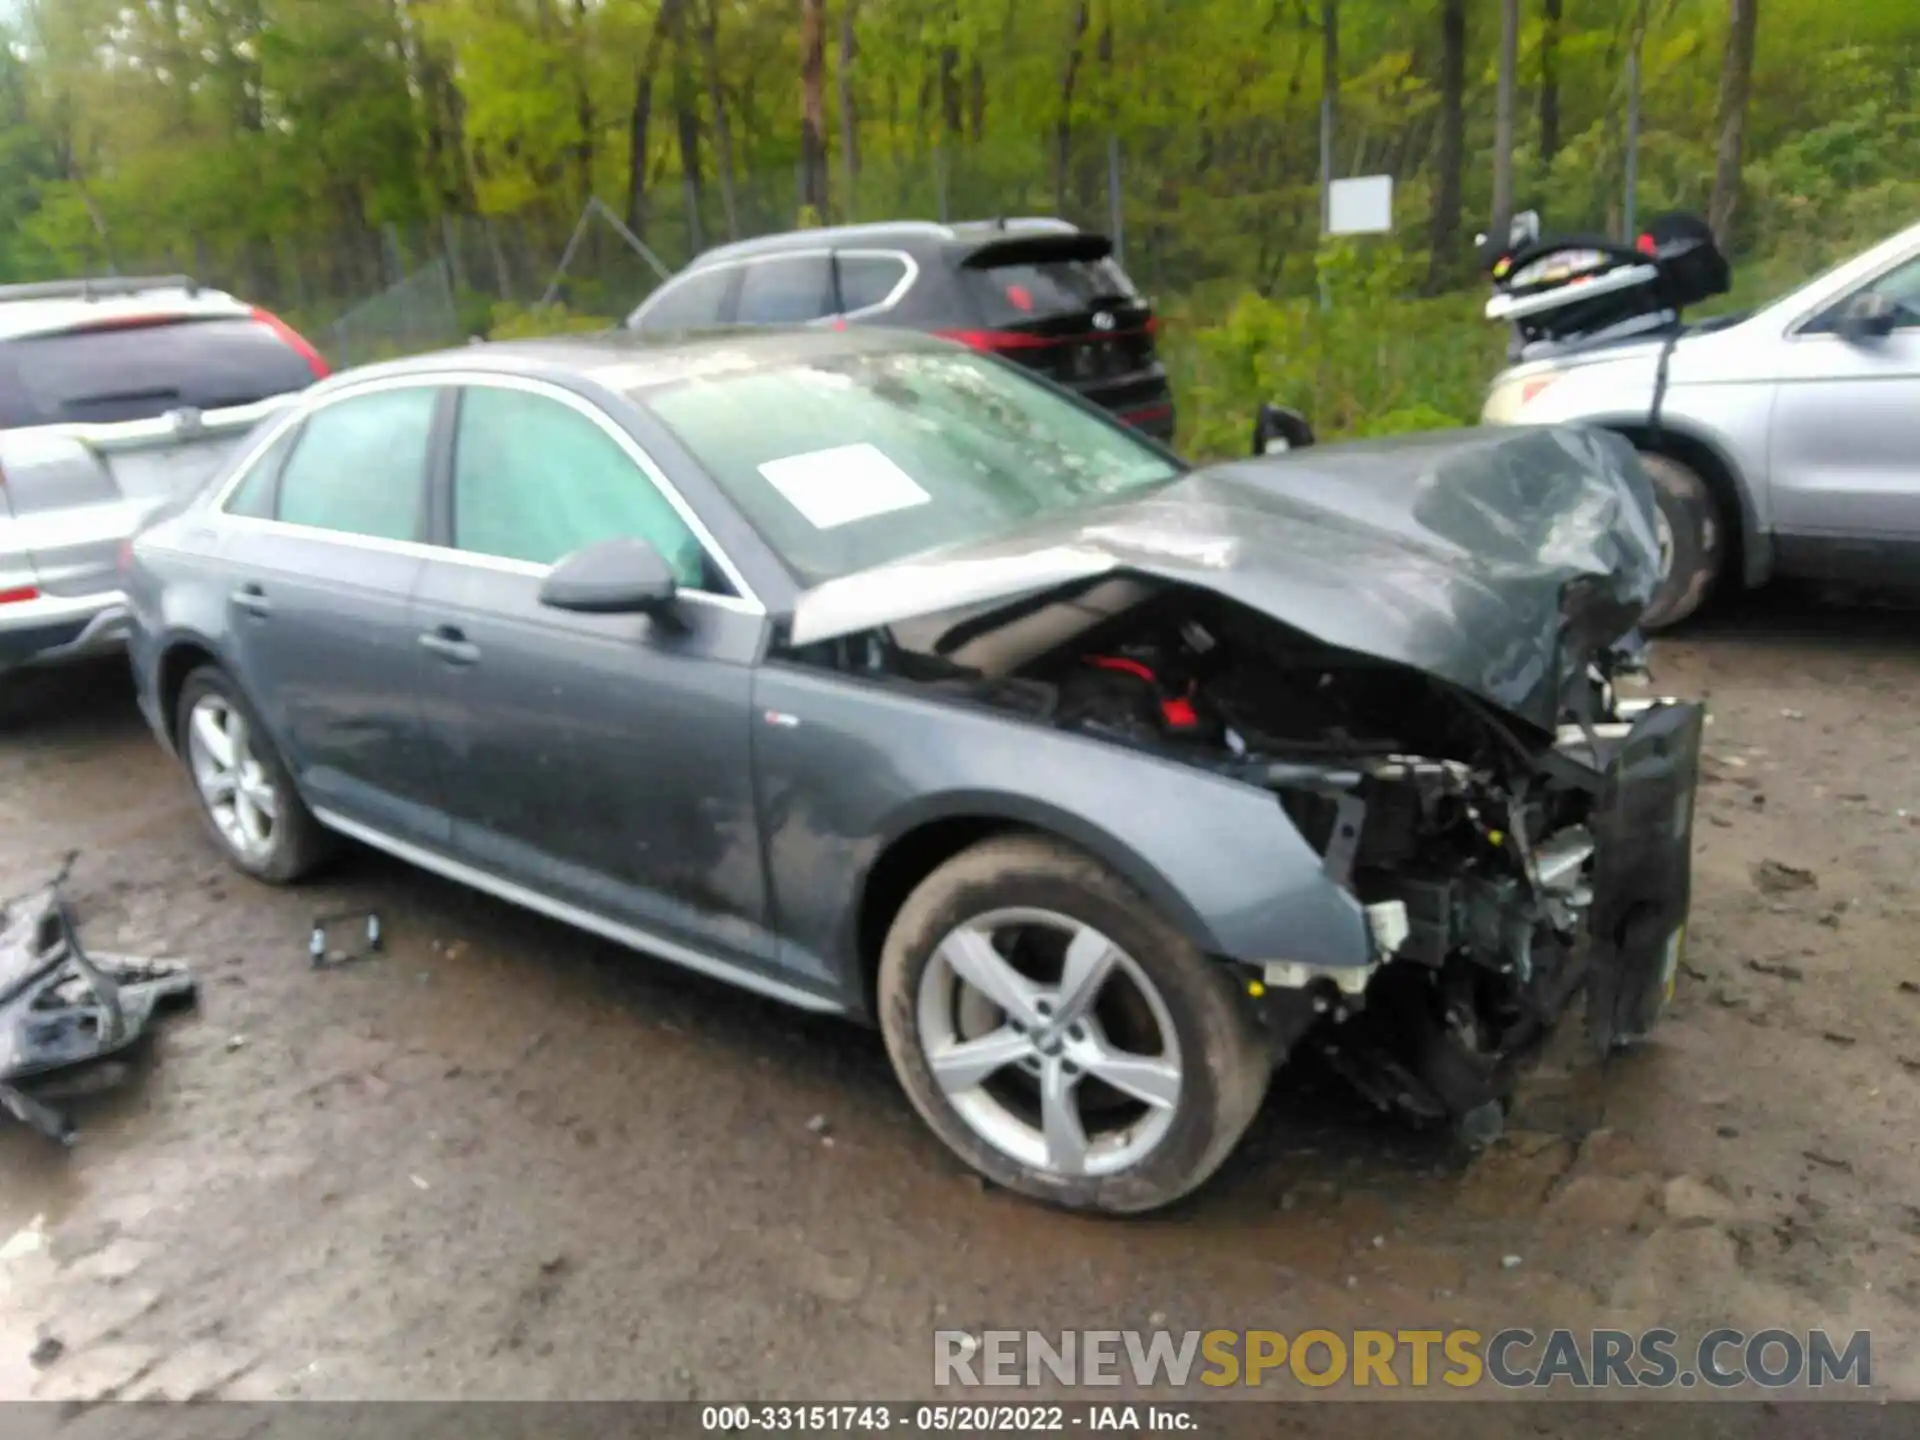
(310, 150)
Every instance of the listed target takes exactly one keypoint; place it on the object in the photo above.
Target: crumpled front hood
(1500, 560)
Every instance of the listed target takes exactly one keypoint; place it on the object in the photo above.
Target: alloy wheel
(232, 782)
(1050, 1042)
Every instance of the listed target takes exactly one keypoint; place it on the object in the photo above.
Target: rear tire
(1695, 542)
(246, 795)
(1033, 922)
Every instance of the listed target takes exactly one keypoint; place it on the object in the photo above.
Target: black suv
(1039, 292)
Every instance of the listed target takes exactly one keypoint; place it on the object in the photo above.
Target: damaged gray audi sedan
(878, 676)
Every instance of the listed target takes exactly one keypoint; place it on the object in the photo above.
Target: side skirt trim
(581, 919)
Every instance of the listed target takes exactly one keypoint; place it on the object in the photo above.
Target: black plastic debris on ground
(68, 1018)
(322, 955)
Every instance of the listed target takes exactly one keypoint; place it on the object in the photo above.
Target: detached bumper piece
(1642, 873)
(68, 1018)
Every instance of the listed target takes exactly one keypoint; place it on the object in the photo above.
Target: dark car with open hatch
(862, 671)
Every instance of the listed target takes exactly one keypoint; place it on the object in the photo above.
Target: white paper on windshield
(846, 483)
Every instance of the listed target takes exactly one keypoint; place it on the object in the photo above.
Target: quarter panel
(845, 766)
(176, 591)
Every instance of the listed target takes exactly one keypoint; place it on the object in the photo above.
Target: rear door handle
(252, 599)
(450, 643)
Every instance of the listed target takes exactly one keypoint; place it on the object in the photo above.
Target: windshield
(854, 461)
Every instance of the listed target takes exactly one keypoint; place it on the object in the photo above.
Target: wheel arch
(924, 839)
(178, 657)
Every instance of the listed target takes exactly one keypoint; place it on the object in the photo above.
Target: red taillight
(18, 594)
(294, 341)
(993, 341)
(125, 559)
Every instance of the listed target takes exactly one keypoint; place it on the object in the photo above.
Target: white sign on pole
(1360, 206)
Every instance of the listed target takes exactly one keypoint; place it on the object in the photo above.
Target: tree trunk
(442, 113)
(813, 108)
(1736, 78)
(1063, 125)
(1550, 83)
(686, 114)
(951, 124)
(1503, 120)
(1329, 103)
(722, 126)
(582, 104)
(640, 118)
(849, 111)
(1444, 234)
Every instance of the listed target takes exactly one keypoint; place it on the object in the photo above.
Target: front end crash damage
(1499, 898)
(1414, 645)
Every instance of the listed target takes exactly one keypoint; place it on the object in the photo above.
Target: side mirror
(1867, 316)
(624, 576)
(1276, 430)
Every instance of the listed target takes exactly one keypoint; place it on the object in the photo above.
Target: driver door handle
(450, 643)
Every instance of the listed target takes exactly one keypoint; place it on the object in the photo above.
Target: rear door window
(1029, 291)
(868, 280)
(690, 302)
(360, 465)
(135, 372)
(786, 290)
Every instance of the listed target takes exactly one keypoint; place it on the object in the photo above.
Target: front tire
(1060, 1036)
(247, 798)
(1693, 542)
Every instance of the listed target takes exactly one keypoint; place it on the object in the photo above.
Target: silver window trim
(746, 602)
(895, 295)
(871, 230)
(863, 252)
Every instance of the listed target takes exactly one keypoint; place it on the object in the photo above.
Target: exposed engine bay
(1504, 872)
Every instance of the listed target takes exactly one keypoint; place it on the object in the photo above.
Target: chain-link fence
(420, 312)
(1187, 211)
(1196, 213)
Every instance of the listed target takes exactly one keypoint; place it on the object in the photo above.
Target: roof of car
(630, 361)
(883, 233)
(56, 314)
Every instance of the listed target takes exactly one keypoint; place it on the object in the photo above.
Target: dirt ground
(506, 1160)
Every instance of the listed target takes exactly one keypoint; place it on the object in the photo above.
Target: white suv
(115, 396)
(1787, 441)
